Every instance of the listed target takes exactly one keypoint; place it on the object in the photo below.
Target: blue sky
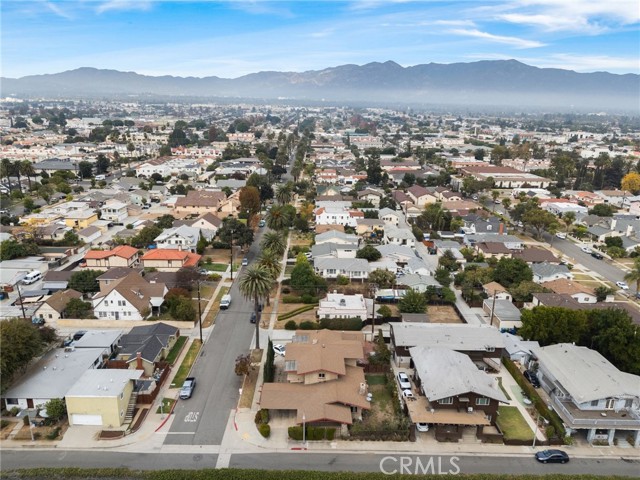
(235, 37)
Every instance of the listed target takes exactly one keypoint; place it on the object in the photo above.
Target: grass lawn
(250, 381)
(582, 276)
(167, 404)
(216, 267)
(185, 367)
(177, 348)
(513, 425)
(376, 379)
(381, 406)
(215, 308)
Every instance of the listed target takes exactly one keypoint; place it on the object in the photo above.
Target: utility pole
(24, 315)
(232, 255)
(199, 312)
(493, 307)
(372, 292)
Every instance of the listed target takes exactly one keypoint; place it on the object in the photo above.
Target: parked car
(561, 235)
(597, 255)
(245, 261)
(408, 394)
(422, 427)
(261, 223)
(533, 379)
(253, 317)
(279, 349)
(586, 250)
(622, 285)
(403, 380)
(187, 388)
(552, 456)
(225, 302)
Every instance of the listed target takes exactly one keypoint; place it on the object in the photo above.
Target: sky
(231, 38)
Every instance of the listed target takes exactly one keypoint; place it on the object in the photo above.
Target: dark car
(253, 317)
(79, 334)
(597, 255)
(533, 379)
(552, 456)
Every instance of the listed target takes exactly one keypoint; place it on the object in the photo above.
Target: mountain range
(506, 83)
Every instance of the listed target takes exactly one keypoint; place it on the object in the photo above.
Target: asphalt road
(203, 418)
(14, 459)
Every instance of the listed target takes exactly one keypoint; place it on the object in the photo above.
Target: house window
(610, 403)
(482, 401)
(490, 349)
(594, 403)
(446, 401)
(321, 375)
(354, 409)
(121, 395)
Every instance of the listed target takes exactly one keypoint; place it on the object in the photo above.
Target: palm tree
(634, 274)
(26, 168)
(15, 168)
(273, 242)
(271, 262)
(285, 193)
(6, 170)
(278, 218)
(255, 284)
(568, 218)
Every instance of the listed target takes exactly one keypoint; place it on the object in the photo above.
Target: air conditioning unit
(470, 410)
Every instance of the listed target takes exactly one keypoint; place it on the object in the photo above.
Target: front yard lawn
(185, 366)
(177, 348)
(216, 267)
(513, 425)
(167, 403)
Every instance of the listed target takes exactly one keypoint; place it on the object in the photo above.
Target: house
(418, 282)
(482, 343)
(579, 292)
(399, 236)
(369, 227)
(90, 234)
(503, 177)
(453, 393)
(333, 250)
(52, 376)
(106, 339)
(546, 272)
(337, 237)
(389, 216)
(54, 307)
(114, 211)
(474, 223)
(566, 301)
(53, 231)
(331, 215)
(494, 289)
(352, 268)
(121, 256)
(115, 274)
(324, 385)
(143, 347)
(614, 197)
(420, 195)
(338, 305)
(510, 241)
(590, 394)
(207, 221)
(182, 238)
(518, 350)
(130, 298)
(56, 280)
(371, 195)
(80, 219)
(536, 255)
(495, 250)
(199, 202)
(400, 254)
(101, 397)
(502, 313)
(166, 260)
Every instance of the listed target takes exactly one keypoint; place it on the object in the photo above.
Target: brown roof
(493, 287)
(123, 251)
(536, 255)
(199, 198)
(324, 350)
(136, 290)
(493, 247)
(420, 412)
(325, 401)
(564, 286)
(59, 300)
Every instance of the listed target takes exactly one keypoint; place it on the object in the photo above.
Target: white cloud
(567, 61)
(58, 11)
(112, 5)
(513, 41)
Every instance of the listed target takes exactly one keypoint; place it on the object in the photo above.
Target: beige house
(166, 260)
(80, 219)
(101, 397)
(199, 202)
(54, 307)
(324, 384)
(121, 256)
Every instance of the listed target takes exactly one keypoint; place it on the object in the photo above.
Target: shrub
(53, 434)
(291, 299)
(214, 277)
(14, 411)
(4, 423)
(297, 311)
(342, 280)
(312, 433)
(265, 430)
(262, 416)
(290, 325)
(295, 433)
(309, 299)
(354, 324)
(286, 290)
(307, 325)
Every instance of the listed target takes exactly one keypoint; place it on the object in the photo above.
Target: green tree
(232, 228)
(274, 242)
(305, 280)
(85, 169)
(384, 312)
(56, 408)
(85, 281)
(412, 302)
(632, 276)
(76, 308)
(602, 292)
(540, 221)
(25, 344)
(551, 325)
(146, 236)
(25, 167)
(243, 364)
(603, 210)
(102, 164)
(284, 194)
(10, 249)
(255, 284)
(448, 261)
(613, 242)
(165, 221)
(279, 218)
(382, 278)
(512, 271)
(28, 203)
(443, 276)
(369, 253)
(568, 218)
(250, 200)
(201, 245)
(523, 291)
(183, 310)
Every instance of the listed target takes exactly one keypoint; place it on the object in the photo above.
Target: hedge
(251, 474)
(290, 325)
(306, 299)
(531, 392)
(264, 429)
(297, 311)
(313, 433)
(354, 324)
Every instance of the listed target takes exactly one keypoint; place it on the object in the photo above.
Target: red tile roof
(124, 251)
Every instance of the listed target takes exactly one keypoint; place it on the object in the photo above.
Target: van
(225, 302)
(100, 177)
(32, 277)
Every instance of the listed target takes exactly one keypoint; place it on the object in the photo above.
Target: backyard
(513, 425)
(443, 314)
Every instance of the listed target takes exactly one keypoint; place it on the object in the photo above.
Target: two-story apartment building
(114, 211)
(166, 260)
(338, 305)
(120, 256)
(590, 394)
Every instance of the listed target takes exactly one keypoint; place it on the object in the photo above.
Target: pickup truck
(187, 388)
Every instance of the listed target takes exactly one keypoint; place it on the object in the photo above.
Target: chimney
(139, 361)
(501, 229)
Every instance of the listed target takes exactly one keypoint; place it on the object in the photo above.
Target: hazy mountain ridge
(489, 82)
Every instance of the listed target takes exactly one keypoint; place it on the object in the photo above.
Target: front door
(117, 315)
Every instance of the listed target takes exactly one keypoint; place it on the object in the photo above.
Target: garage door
(78, 419)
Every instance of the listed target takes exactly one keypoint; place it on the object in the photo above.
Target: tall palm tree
(26, 168)
(568, 218)
(273, 242)
(634, 274)
(271, 262)
(255, 284)
(284, 194)
(15, 167)
(6, 168)
(278, 218)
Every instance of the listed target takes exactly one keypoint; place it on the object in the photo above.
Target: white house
(399, 236)
(337, 305)
(182, 238)
(132, 298)
(389, 216)
(336, 216)
(352, 268)
(548, 272)
(114, 211)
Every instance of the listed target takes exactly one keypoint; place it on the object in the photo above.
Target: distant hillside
(499, 82)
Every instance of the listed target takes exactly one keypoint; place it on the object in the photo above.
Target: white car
(622, 285)
(561, 235)
(404, 382)
(245, 261)
(408, 394)
(586, 250)
(422, 427)
(279, 349)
